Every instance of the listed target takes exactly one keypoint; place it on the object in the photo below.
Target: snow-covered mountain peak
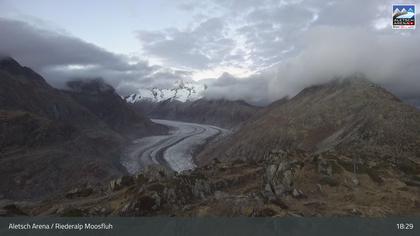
(181, 91)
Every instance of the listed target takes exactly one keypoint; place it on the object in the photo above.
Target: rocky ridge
(351, 116)
(284, 183)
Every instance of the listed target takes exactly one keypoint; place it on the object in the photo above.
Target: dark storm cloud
(61, 57)
(41, 48)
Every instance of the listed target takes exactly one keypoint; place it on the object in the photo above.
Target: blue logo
(403, 16)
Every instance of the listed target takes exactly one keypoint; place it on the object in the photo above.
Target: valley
(174, 150)
(343, 148)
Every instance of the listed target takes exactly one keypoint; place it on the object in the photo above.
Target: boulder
(144, 205)
(121, 182)
(157, 173)
(201, 188)
(79, 192)
(324, 167)
(296, 193)
(11, 210)
(279, 173)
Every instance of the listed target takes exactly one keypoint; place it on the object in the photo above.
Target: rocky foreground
(281, 184)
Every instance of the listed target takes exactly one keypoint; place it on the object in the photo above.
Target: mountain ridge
(52, 140)
(218, 112)
(181, 91)
(350, 115)
(102, 99)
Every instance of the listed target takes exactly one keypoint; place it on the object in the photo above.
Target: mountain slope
(351, 116)
(23, 89)
(49, 142)
(102, 100)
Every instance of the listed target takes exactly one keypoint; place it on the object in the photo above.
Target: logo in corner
(403, 16)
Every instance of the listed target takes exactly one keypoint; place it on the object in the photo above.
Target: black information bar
(156, 226)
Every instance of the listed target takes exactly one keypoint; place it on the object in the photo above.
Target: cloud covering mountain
(269, 49)
(381, 58)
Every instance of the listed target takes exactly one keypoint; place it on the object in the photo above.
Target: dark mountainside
(222, 113)
(102, 100)
(345, 148)
(353, 117)
(23, 89)
(48, 141)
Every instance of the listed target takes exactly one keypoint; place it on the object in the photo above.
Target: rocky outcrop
(8, 209)
(159, 192)
(122, 182)
(286, 183)
(279, 176)
(157, 172)
(79, 192)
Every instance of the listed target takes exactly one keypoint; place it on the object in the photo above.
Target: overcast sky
(243, 49)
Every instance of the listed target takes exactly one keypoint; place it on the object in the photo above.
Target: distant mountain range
(218, 112)
(185, 102)
(181, 91)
